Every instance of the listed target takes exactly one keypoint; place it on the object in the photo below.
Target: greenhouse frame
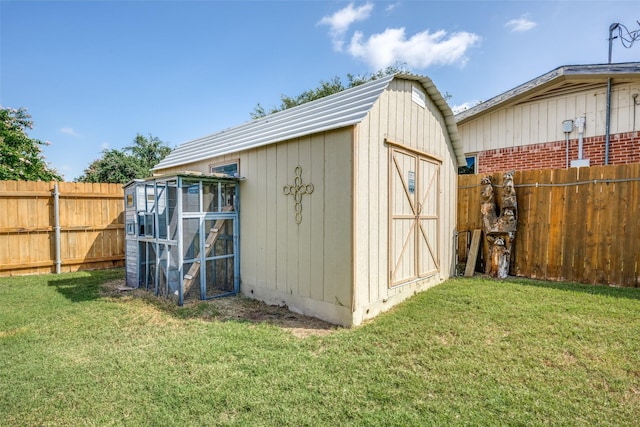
(182, 235)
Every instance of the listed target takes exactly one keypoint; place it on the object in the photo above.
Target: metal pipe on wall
(580, 123)
(607, 136)
(56, 227)
(567, 128)
(633, 127)
(566, 150)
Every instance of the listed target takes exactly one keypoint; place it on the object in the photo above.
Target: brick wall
(623, 148)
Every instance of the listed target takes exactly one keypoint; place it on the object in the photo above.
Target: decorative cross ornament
(297, 190)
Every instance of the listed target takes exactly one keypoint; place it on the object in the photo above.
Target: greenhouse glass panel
(173, 212)
(210, 195)
(182, 238)
(191, 197)
(191, 238)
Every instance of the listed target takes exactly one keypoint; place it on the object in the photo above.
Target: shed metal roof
(332, 112)
(578, 75)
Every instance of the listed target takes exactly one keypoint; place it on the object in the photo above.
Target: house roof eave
(554, 78)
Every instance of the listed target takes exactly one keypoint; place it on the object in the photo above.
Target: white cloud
(340, 22)
(69, 131)
(418, 51)
(521, 24)
(104, 146)
(392, 6)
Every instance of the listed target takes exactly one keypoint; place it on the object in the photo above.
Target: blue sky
(93, 74)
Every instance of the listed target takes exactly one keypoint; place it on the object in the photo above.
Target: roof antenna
(626, 37)
(612, 28)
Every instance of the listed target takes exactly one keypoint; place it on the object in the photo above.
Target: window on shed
(231, 168)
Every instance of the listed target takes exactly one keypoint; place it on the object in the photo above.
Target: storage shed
(348, 202)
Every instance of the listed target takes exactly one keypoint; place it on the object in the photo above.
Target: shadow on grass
(601, 290)
(93, 285)
(236, 308)
(83, 286)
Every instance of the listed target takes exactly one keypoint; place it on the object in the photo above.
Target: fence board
(557, 218)
(577, 224)
(539, 239)
(523, 235)
(91, 219)
(608, 270)
(590, 225)
(630, 275)
(631, 265)
(571, 220)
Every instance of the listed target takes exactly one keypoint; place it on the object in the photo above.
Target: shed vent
(419, 97)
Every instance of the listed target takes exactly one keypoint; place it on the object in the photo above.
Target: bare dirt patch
(233, 308)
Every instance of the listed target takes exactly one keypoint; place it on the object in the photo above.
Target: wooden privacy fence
(578, 224)
(90, 233)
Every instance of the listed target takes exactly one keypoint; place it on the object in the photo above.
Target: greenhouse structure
(182, 235)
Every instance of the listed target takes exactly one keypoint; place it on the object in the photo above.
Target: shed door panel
(428, 261)
(413, 228)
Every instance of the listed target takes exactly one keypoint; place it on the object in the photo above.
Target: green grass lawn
(467, 352)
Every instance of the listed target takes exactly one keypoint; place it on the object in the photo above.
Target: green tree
(21, 157)
(132, 162)
(149, 151)
(115, 166)
(326, 88)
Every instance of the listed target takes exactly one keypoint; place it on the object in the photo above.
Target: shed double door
(414, 216)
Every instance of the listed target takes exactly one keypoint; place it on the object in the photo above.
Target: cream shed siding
(335, 263)
(397, 118)
(305, 266)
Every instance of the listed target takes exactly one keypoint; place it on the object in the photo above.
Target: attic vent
(418, 97)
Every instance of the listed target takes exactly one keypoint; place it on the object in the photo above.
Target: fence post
(56, 227)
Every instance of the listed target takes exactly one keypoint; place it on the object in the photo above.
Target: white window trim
(217, 165)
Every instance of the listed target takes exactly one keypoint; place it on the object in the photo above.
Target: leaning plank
(473, 253)
(194, 272)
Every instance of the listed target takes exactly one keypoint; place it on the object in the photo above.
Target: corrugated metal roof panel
(332, 112)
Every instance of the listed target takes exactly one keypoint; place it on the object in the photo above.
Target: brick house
(575, 115)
